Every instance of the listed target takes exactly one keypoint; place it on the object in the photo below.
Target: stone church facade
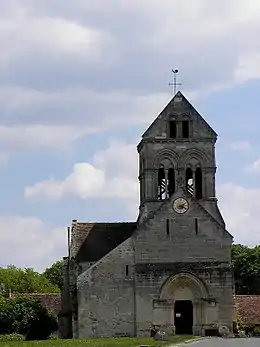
(172, 267)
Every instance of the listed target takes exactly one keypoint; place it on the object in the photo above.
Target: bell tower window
(171, 181)
(189, 180)
(173, 130)
(162, 184)
(185, 129)
(194, 182)
(198, 183)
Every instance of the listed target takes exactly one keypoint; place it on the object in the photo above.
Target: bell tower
(177, 152)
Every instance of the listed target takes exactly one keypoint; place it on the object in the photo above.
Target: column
(164, 315)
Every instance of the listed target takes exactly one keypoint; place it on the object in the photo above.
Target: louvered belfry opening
(162, 183)
(189, 181)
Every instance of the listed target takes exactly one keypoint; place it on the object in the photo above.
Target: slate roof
(95, 240)
(248, 307)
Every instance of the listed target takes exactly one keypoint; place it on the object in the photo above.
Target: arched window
(198, 183)
(161, 183)
(171, 181)
(189, 181)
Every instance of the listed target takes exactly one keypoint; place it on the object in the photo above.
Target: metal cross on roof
(174, 82)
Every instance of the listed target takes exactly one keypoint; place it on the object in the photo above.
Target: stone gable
(154, 241)
(179, 108)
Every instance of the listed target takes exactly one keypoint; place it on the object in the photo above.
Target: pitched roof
(95, 240)
(248, 308)
(184, 104)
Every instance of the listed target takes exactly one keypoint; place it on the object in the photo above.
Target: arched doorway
(188, 297)
(183, 317)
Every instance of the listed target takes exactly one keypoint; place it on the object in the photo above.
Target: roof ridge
(81, 222)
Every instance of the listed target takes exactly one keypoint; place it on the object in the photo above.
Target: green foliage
(25, 316)
(55, 273)
(12, 337)
(246, 264)
(240, 323)
(256, 331)
(7, 316)
(249, 329)
(101, 342)
(53, 336)
(25, 281)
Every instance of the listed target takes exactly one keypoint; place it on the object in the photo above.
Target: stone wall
(216, 277)
(106, 295)
(162, 252)
(182, 242)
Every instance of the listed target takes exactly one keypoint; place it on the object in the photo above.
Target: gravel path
(219, 342)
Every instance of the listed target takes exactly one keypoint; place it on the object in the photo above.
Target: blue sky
(80, 81)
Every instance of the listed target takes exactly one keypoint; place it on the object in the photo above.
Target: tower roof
(179, 106)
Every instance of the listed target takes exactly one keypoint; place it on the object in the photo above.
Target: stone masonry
(172, 267)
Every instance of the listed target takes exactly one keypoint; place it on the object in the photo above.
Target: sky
(80, 81)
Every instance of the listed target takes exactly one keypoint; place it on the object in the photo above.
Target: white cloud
(240, 209)
(80, 64)
(28, 242)
(55, 120)
(47, 35)
(255, 166)
(31, 138)
(74, 107)
(240, 146)
(112, 173)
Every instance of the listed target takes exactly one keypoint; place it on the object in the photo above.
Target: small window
(185, 129)
(167, 227)
(173, 130)
(196, 226)
(126, 270)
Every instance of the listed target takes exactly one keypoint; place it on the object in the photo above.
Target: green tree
(55, 273)
(25, 281)
(25, 316)
(246, 264)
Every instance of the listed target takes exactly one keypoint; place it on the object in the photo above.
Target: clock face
(180, 205)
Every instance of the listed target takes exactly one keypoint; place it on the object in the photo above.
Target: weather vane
(174, 83)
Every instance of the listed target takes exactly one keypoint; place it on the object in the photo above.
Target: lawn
(101, 342)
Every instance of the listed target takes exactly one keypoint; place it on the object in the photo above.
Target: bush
(256, 331)
(43, 326)
(25, 316)
(12, 337)
(53, 336)
(7, 316)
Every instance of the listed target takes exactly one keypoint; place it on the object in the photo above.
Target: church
(171, 268)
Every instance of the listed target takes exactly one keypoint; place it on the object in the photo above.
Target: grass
(100, 342)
